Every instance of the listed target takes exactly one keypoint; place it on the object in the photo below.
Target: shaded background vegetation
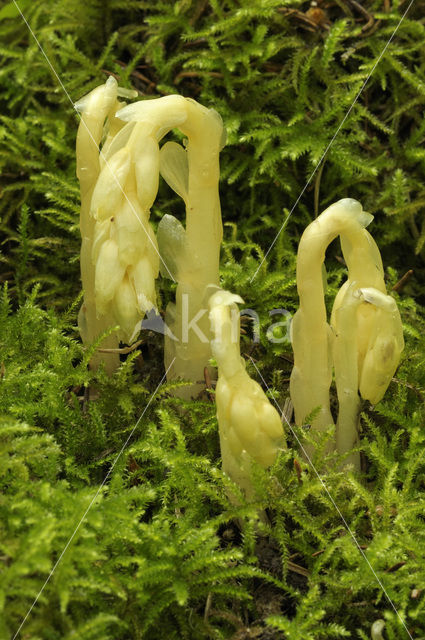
(158, 554)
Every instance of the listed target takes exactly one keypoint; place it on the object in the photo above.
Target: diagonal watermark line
(92, 138)
(341, 124)
(322, 482)
(111, 468)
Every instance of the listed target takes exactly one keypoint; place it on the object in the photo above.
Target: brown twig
(298, 470)
(86, 400)
(395, 567)
(199, 10)
(419, 392)
(6, 275)
(227, 615)
(196, 74)
(296, 568)
(287, 358)
(403, 280)
(207, 606)
(365, 13)
(194, 43)
(301, 16)
(123, 350)
(104, 453)
(137, 74)
(208, 383)
(111, 73)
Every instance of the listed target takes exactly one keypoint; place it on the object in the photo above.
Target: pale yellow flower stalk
(368, 373)
(249, 426)
(190, 253)
(351, 332)
(368, 339)
(346, 363)
(363, 359)
(311, 334)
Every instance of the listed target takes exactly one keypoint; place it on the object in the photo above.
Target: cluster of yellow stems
(119, 161)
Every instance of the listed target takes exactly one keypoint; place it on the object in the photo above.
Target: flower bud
(109, 190)
(108, 275)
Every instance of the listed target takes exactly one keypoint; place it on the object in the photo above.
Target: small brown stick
(298, 470)
(104, 453)
(296, 568)
(207, 606)
(419, 392)
(140, 76)
(6, 276)
(366, 14)
(199, 10)
(196, 74)
(123, 349)
(251, 351)
(273, 68)
(317, 553)
(227, 615)
(194, 43)
(403, 280)
(300, 15)
(111, 73)
(137, 74)
(208, 383)
(395, 567)
(86, 399)
(133, 465)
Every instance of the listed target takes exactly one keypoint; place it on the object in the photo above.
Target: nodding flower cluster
(250, 428)
(364, 339)
(119, 253)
